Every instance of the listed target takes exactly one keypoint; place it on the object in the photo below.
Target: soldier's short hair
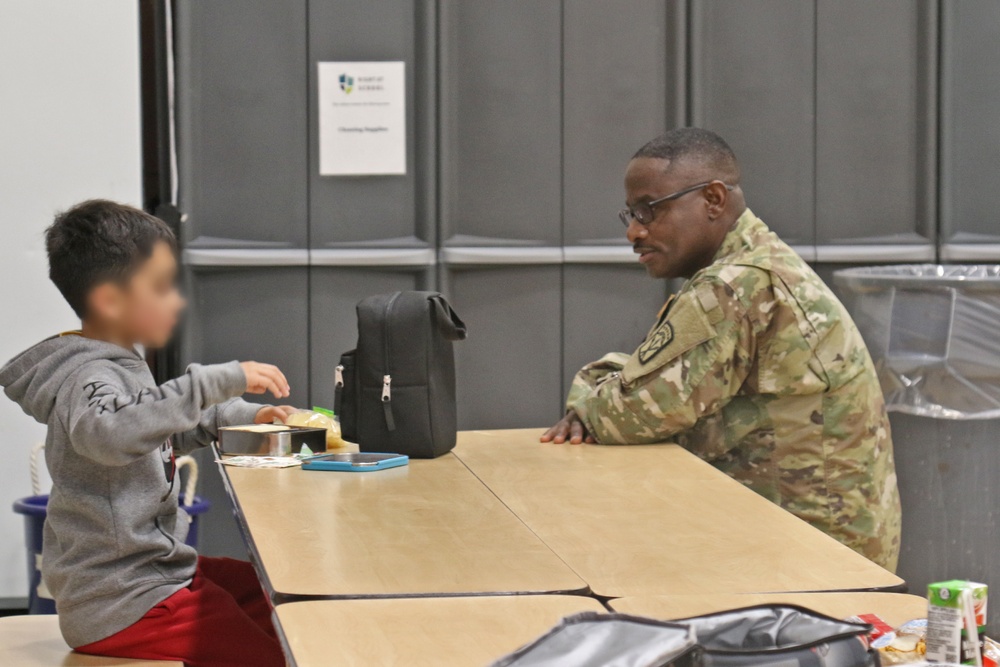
(696, 144)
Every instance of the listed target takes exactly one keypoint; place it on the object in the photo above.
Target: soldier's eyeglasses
(643, 211)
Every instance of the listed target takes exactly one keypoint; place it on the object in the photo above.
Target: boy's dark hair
(97, 241)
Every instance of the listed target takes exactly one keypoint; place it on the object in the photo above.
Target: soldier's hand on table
(568, 428)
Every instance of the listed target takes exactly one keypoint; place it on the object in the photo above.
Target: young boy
(114, 557)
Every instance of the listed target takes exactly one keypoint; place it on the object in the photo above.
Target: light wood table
(35, 641)
(894, 608)
(420, 631)
(429, 528)
(655, 519)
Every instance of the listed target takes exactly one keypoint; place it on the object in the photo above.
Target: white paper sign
(362, 118)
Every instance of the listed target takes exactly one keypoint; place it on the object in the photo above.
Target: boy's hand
(262, 378)
(269, 413)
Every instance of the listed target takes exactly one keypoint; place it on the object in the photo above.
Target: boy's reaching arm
(233, 412)
(114, 427)
(236, 411)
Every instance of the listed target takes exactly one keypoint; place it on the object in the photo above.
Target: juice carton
(949, 604)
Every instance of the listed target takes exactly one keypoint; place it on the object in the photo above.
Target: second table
(655, 519)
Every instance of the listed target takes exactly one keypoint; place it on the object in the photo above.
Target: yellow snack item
(319, 420)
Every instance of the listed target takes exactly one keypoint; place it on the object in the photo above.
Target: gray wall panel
(353, 210)
(241, 113)
(621, 66)
(875, 106)
(752, 81)
(510, 367)
(970, 133)
(250, 314)
(606, 309)
(333, 324)
(500, 120)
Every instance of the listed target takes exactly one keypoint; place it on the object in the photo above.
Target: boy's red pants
(223, 619)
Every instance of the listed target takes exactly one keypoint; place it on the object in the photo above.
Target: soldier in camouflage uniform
(754, 365)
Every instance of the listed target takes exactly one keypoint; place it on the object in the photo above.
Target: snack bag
(906, 645)
(320, 418)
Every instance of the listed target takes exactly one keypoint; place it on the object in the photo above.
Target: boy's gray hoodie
(113, 544)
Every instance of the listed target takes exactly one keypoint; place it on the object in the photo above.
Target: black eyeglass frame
(627, 214)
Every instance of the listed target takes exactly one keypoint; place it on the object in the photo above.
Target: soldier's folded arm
(690, 366)
(595, 372)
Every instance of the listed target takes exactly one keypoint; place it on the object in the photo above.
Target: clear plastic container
(321, 419)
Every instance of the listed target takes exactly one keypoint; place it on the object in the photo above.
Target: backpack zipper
(390, 422)
(338, 376)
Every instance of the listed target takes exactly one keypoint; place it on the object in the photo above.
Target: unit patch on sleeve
(658, 340)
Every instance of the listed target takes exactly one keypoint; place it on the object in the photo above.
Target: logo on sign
(346, 83)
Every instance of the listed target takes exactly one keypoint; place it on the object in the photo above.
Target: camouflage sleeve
(591, 374)
(687, 368)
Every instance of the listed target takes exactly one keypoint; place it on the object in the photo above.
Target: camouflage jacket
(757, 368)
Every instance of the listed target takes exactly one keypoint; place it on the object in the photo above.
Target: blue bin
(34, 509)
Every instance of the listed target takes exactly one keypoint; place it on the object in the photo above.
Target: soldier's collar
(733, 242)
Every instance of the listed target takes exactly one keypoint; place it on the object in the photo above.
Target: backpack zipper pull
(390, 423)
(338, 376)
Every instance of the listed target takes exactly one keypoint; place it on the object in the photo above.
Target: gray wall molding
(500, 256)
(867, 254)
(222, 257)
(584, 254)
(970, 252)
(549, 255)
(380, 257)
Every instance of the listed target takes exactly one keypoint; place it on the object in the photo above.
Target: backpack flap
(450, 326)
(784, 635)
(592, 639)
(760, 636)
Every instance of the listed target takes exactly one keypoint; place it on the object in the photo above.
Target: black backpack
(396, 391)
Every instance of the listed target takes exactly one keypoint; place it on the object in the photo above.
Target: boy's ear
(105, 302)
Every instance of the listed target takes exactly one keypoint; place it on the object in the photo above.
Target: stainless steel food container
(244, 441)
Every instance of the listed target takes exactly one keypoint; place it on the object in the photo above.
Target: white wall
(69, 130)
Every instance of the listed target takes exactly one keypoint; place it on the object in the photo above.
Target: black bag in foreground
(396, 391)
(766, 635)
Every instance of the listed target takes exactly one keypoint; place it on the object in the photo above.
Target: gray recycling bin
(934, 334)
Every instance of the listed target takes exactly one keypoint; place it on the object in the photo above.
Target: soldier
(754, 365)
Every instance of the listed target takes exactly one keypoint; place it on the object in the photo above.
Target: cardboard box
(947, 639)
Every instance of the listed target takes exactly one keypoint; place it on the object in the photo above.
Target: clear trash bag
(932, 331)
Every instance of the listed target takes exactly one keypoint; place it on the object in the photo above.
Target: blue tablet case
(355, 462)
